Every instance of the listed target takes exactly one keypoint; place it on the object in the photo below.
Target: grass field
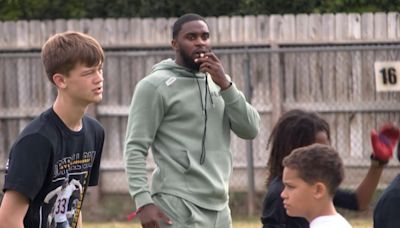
(114, 208)
(247, 223)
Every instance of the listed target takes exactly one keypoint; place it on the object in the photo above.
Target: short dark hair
(317, 163)
(294, 129)
(63, 51)
(184, 19)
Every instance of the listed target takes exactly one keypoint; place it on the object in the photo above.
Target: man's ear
(173, 44)
(319, 190)
(59, 81)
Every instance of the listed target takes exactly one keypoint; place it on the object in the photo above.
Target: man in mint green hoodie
(185, 110)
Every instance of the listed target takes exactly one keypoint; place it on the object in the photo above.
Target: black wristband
(377, 162)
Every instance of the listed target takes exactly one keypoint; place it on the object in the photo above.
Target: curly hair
(295, 128)
(317, 163)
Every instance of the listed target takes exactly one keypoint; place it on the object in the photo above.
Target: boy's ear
(59, 81)
(319, 190)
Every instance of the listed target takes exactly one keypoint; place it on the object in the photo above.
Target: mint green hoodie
(167, 115)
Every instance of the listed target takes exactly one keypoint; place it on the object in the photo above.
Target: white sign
(387, 76)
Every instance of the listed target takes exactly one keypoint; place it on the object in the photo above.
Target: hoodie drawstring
(204, 110)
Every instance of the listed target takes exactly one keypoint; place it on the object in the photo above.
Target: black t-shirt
(386, 212)
(274, 214)
(53, 166)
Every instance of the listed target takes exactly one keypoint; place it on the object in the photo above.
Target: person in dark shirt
(63, 144)
(298, 128)
(386, 209)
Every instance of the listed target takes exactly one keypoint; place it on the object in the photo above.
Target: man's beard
(188, 61)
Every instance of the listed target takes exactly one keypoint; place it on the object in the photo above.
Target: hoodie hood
(181, 71)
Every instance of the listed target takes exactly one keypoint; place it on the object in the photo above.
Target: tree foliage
(66, 9)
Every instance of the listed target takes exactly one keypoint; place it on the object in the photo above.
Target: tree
(52, 9)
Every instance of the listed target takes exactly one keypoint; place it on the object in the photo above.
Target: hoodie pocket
(211, 178)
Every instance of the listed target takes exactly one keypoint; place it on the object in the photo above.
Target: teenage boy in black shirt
(62, 144)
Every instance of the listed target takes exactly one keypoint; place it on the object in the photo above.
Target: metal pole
(249, 144)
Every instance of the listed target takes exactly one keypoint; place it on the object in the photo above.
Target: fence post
(249, 143)
(276, 83)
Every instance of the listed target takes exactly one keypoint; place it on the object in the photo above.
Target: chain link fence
(335, 80)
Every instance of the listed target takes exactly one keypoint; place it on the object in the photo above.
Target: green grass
(242, 223)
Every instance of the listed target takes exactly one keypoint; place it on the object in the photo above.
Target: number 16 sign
(387, 76)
